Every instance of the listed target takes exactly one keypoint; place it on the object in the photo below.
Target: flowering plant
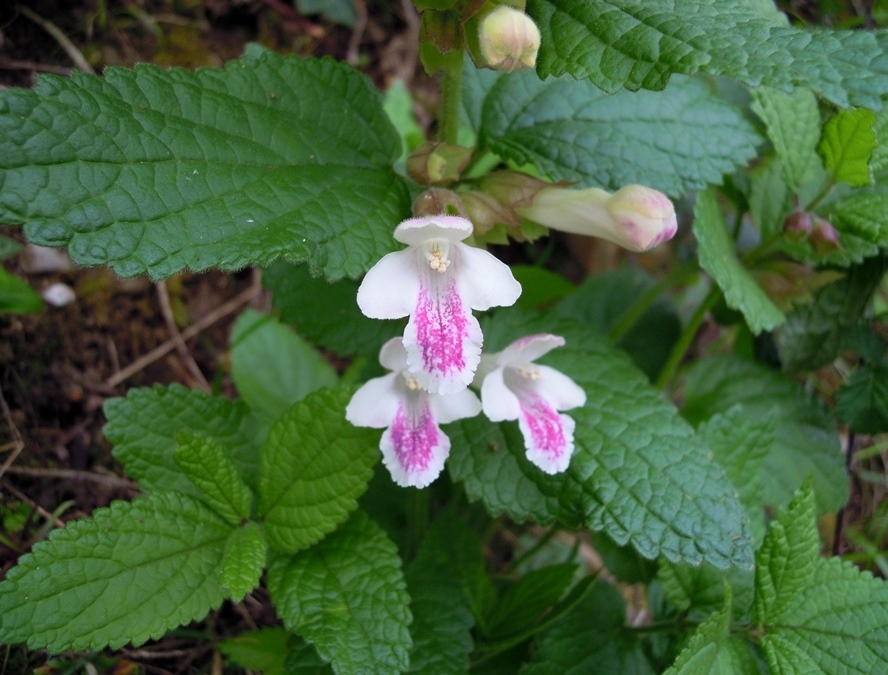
(563, 425)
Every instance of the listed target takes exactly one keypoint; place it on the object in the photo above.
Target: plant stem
(687, 337)
(533, 550)
(643, 303)
(418, 522)
(449, 107)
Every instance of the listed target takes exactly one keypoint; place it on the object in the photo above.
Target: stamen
(412, 382)
(528, 371)
(437, 258)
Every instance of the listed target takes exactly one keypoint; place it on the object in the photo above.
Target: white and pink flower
(437, 282)
(513, 387)
(413, 446)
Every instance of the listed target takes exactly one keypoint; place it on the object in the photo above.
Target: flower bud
(824, 237)
(434, 163)
(436, 201)
(509, 39)
(797, 226)
(635, 217)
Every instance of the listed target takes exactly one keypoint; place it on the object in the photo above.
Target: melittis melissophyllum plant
(510, 400)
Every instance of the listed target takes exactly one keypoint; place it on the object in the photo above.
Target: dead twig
(109, 480)
(354, 42)
(12, 64)
(75, 54)
(163, 296)
(205, 322)
(21, 496)
(17, 443)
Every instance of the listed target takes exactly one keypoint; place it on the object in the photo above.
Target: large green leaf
(862, 222)
(325, 313)
(347, 596)
(573, 131)
(313, 468)
(589, 640)
(129, 573)
(149, 170)
(816, 615)
(641, 43)
(638, 472)
(272, 366)
(143, 427)
(718, 258)
(863, 401)
(847, 146)
(806, 439)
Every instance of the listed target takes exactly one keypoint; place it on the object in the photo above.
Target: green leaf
(604, 300)
(341, 12)
(327, 314)
(702, 589)
(712, 650)
(879, 160)
(128, 574)
(347, 596)
(806, 438)
(398, 105)
(263, 650)
(143, 427)
(813, 334)
(573, 131)
(303, 658)
(539, 286)
(740, 443)
(524, 603)
(17, 296)
(640, 44)
(8, 247)
(847, 146)
(816, 614)
(272, 366)
(589, 639)
(863, 401)
(160, 170)
(718, 258)
(862, 222)
(440, 596)
(769, 197)
(313, 468)
(215, 476)
(793, 125)
(243, 561)
(638, 471)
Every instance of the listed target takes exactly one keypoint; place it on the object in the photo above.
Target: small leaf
(313, 468)
(243, 561)
(208, 467)
(640, 44)
(263, 650)
(128, 574)
(327, 314)
(793, 124)
(573, 131)
(347, 596)
(863, 401)
(302, 657)
(862, 222)
(718, 258)
(8, 247)
(17, 296)
(523, 603)
(702, 589)
(589, 639)
(806, 437)
(272, 366)
(143, 427)
(712, 650)
(816, 614)
(847, 146)
(769, 197)
(154, 171)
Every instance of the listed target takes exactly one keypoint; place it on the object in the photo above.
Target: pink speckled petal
(389, 289)
(548, 436)
(442, 339)
(413, 447)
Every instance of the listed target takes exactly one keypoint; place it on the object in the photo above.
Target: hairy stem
(449, 106)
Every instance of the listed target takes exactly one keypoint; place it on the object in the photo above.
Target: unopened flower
(437, 282)
(514, 387)
(509, 39)
(635, 217)
(413, 446)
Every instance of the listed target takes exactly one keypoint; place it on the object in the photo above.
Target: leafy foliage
(847, 146)
(639, 44)
(156, 171)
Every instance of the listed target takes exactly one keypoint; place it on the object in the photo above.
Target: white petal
(416, 231)
(498, 401)
(413, 447)
(484, 281)
(558, 389)
(376, 402)
(548, 436)
(390, 288)
(457, 406)
(528, 349)
(393, 356)
(442, 339)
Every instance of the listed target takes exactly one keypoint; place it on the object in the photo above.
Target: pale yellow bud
(509, 40)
